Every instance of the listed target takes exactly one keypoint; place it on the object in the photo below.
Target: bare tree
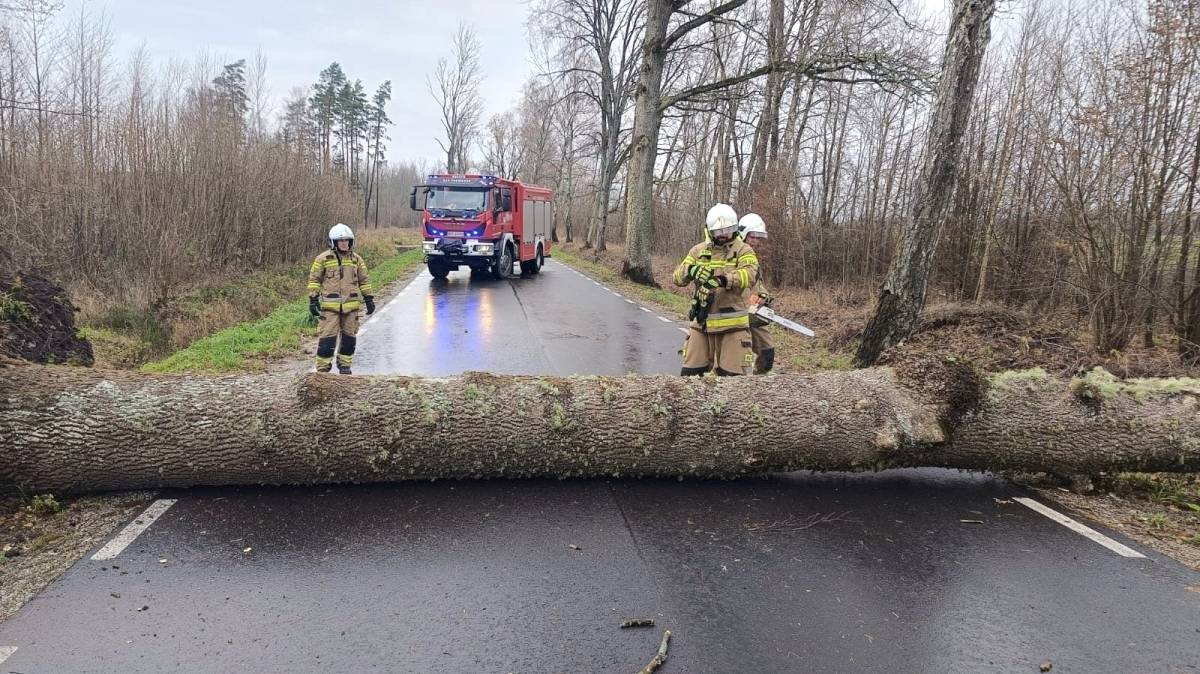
(259, 93)
(643, 151)
(840, 65)
(503, 151)
(598, 55)
(903, 292)
(455, 87)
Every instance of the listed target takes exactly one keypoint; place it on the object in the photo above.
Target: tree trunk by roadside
(903, 292)
(69, 428)
(647, 120)
(1188, 305)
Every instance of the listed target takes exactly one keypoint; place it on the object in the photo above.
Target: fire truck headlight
(428, 246)
(483, 247)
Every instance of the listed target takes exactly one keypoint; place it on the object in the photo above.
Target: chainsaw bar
(767, 313)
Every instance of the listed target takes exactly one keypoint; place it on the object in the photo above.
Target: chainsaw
(768, 314)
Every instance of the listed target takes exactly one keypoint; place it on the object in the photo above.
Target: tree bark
(79, 429)
(903, 292)
(647, 120)
(768, 123)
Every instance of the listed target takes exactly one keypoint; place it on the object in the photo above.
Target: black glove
(314, 306)
(370, 300)
(724, 282)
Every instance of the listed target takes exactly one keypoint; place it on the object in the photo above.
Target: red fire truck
(483, 222)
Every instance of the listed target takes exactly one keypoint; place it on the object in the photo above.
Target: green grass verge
(247, 346)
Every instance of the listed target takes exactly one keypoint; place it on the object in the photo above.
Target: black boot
(344, 369)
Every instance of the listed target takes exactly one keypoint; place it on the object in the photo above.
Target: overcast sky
(374, 41)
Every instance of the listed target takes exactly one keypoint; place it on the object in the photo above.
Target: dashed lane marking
(6, 652)
(627, 300)
(133, 530)
(1088, 532)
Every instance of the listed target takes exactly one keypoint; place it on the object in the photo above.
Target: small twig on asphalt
(637, 622)
(660, 657)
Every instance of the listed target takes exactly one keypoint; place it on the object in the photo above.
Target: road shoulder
(43, 537)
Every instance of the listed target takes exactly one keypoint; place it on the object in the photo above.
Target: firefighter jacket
(340, 280)
(735, 261)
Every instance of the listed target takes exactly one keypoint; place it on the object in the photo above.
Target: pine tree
(377, 119)
(352, 110)
(229, 93)
(298, 128)
(324, 104)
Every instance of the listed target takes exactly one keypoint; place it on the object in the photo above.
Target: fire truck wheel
(438, 271)
(504, 265)
(532, 267)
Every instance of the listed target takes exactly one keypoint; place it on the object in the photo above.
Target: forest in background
(1079, 174)
(133, 181)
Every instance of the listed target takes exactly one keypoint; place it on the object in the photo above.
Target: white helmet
(722, 221)
(339, 232)
(752, 226)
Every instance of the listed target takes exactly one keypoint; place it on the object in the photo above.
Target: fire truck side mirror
(506, 200)
(412, 199)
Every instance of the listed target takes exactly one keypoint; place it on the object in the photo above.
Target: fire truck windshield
(455, 199)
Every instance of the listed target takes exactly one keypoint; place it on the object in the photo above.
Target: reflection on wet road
(557, 323)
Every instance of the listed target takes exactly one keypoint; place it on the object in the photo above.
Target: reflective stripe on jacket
(340, 280)
(735, 261)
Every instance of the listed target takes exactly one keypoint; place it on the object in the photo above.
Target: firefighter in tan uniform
(752, 229)
(338, 287)
(723, 267)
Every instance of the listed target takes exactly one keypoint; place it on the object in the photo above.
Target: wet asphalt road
(792, 573)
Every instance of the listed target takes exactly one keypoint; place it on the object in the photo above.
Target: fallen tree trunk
(78, 429)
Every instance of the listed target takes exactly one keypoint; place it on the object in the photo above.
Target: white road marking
(645, 309)
(684, 330)
(6, 652)
(133, 530)
(629, 301)
(664, 319)
(1123, 550)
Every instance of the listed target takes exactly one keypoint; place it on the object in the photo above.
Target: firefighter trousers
(763, 345)
(728, 353)
(330, 326)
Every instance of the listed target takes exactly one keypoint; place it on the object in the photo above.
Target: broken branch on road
(660, 657)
